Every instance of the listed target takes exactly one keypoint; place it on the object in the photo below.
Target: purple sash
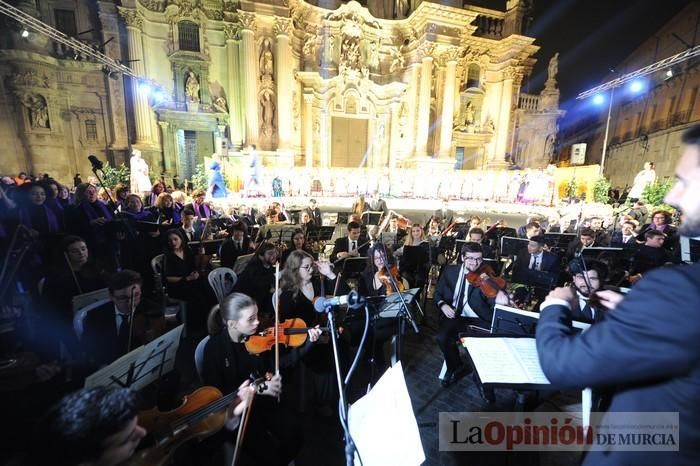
(90, 210)
(202, 211)
(51, 220)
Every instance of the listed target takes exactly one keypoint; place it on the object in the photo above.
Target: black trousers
(447, 336)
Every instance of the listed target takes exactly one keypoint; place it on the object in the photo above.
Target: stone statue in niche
(268, 108)
(266, 63)
(220, 104)
(350, 52)
(397, 60)
(373, 61)
(469, 114)
(553, 68)
(401, 9)
(38, 110)
(330, 47)
(192, 88)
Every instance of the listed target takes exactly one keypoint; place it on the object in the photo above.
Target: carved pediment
(28, 79)
(353, 12)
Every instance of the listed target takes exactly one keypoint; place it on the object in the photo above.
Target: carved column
(119, 139)
(410, 129)
(169, 147)
(504, 115)
(142, 110)
(284, 79)
(249, 77)
(308, 128)
(233, 37)
(448, 102)
(393, 146)
(323, 142)
(423, 122)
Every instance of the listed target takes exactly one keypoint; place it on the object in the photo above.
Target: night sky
(591, 37)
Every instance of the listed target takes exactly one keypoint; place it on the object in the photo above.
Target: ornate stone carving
(265, 62)
(452, 54)
(248, 20)
(511, 72)
(131, 17)
(267, 112)
(37, 109)
(192, 88)
(29, 78)
(295, 111)
(354, 12)
(282, 27)
(232, 31)
(426, 49)
(397, 59)
(154, 5)
(309, 48)
(220, 105)
(214, 14)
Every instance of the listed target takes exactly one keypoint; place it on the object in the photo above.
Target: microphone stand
(350, 447)
(405, 314)
(96, 165)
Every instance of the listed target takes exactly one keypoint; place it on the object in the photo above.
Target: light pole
(607, 130)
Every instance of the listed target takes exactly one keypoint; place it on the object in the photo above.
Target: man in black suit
(314, 213)
(106, 328)
(191, 228)
(445, 214)
(586, 239)
(535, 258)
(349, 246)
(461, 305)
(587, 278)
(377, 204)
(646, 349)
(625, 236)
(237, 245)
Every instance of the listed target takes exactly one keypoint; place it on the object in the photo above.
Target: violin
(386, 281)
(201, 414)
(487, 281)
(292, 333)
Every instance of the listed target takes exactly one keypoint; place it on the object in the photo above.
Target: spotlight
(598, 99)
(25, 33)
(636, 86)
(158, 96)
(144, 88)
(669, 73)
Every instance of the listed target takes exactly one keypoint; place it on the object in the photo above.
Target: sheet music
(383, 425)
(506, 360)
(525, 350)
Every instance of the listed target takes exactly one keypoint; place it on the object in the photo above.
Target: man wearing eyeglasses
(461, 304)
(106, 328)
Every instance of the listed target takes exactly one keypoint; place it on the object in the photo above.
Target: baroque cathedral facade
(314, 84)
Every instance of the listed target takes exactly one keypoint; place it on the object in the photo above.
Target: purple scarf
(144, 215)
(661, 228)
(90, 210)
(25, 218)
(202, 211)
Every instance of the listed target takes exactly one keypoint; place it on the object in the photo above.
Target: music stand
(370, 217)
(142, 366)
(353, 266)
(343, 218)
(211, 247)
(322, 233)
(536, 278)
(510, 246)
(242, 262)
(511, 321)
(392, 305)
(559, 241)
(460, 229)
(497, 233)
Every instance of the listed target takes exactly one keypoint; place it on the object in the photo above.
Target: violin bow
(277, 318)
(245, 415)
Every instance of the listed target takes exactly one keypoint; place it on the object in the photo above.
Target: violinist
(298, 244)
(258, 278)
(375, 279)
(462, 304)
(271, 437)
(586, 283)
(299, 289)
(106, 328)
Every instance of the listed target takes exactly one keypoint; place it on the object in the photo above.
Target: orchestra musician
(198, 206)
(415, 271)
(270, 438)
(461, 304)
(258, 278)
(106, 328)
(349, 246)
(239, 244)
(298, 244)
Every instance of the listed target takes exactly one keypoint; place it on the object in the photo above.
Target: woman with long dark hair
(298, 244)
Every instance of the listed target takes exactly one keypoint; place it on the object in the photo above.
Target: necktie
(239, 245)
(354, 246)
(123, 335)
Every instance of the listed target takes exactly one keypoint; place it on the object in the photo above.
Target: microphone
(95, 162)
(353, 300)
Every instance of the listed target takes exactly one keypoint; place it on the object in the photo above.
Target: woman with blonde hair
(164, 209)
